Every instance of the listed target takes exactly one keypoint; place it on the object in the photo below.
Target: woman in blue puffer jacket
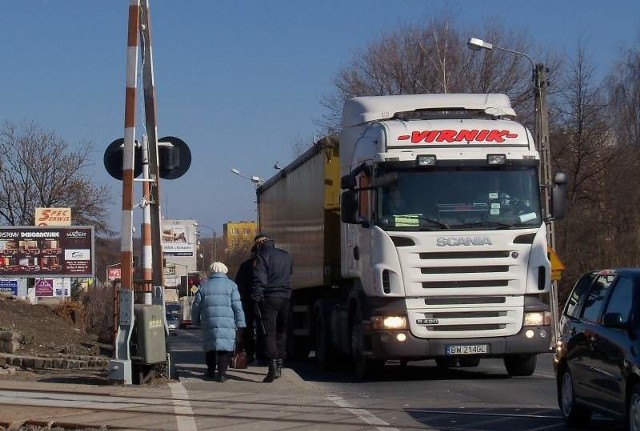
(218, 309)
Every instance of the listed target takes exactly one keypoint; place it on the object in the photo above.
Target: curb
(65, 362)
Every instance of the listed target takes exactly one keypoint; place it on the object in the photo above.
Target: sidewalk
(241, 403)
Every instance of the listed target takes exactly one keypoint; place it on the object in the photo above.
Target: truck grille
(465, 294)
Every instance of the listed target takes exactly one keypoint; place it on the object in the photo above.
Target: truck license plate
(473, 349)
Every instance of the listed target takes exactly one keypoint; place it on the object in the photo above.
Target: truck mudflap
(385, 345)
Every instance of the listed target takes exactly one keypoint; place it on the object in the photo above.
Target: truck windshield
(460, 199)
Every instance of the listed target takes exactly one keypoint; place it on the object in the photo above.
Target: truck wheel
(325, 353)
(300, 349)
(366, 368)
(520, 365)
(469, 361)
(446, 362)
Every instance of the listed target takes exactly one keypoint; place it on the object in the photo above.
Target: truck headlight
(537, 318)
(389, 322)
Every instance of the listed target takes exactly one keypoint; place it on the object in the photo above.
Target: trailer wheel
(366, 368)
(326, 355)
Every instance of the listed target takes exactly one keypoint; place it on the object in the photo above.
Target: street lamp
(541, 140)
(541, 122)
(256, 180)
(214, 236)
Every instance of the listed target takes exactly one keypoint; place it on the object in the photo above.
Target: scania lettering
(463, 240)
(417, 233)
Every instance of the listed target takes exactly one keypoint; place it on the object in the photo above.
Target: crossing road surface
(416, 397)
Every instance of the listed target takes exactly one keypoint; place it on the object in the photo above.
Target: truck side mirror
(348, 206)
(559, 195)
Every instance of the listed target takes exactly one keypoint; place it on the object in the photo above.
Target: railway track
(171, 408)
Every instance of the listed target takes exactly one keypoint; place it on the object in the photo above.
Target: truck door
(364, 230)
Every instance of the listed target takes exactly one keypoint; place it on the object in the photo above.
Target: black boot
(222, 377)
(222, 361)
(279, 368)
(273, 371)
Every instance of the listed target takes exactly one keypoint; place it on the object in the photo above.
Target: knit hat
(260, 238)
(218, 267)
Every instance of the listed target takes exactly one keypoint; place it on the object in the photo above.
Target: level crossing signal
(174, 158)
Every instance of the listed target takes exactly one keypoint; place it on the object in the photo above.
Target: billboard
(9, 286)
(47, 251)
(179, 237)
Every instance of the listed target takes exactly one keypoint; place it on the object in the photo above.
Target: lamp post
(541, 138)
(256, 180)
(213, 244)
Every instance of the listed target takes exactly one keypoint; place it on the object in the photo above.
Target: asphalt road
(419, 396)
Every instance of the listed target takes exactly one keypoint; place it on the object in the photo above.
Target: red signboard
(114, 272)
(47, 251)
(44, 287)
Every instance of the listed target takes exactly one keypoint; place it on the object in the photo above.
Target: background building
(238, 234)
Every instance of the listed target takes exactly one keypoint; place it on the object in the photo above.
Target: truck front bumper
(386, 344)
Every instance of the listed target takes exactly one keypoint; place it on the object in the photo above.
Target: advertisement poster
(50, 287)
(178, 237)
(44, 287)
(9, 286)
(46, 251)
(114, 272)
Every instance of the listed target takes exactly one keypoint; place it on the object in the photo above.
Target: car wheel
(574, 415)
(520, 365)
(632, 419)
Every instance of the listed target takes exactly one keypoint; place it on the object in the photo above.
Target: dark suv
(597, 359)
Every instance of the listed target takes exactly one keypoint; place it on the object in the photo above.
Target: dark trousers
(248, 340)
(275, 314)
(220, 359)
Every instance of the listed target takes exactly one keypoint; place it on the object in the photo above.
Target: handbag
(239, 359)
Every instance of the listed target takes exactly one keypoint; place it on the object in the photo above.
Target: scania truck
(418, 233)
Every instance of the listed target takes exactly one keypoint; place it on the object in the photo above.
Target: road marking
(363, 414)
(182, 407)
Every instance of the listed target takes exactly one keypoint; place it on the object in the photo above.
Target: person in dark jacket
(244, 279)
(271, 292)
(218, 309)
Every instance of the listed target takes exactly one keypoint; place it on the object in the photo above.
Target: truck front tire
(520, 364)
(365, 368)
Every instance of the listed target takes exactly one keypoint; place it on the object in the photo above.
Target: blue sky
(239, 81)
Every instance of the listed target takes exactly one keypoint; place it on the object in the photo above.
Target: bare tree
(622, 197)
(582, 147)
(624, 89)
(38, 169)
(435, 59)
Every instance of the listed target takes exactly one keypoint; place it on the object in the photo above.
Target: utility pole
(541, 138)
(545, 177)
(139, 27)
